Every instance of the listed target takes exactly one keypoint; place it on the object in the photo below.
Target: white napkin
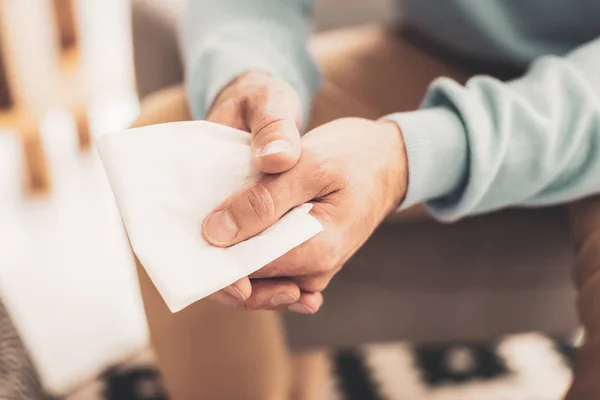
(166, 179)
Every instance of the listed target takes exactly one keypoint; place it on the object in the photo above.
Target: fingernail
(300, 309)
(220, 227)
(235, 292)
(276, 146)
(282, 298)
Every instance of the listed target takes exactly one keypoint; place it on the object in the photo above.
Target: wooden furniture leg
(29, 83)
(26, 95)
(36, 178)
(5, 99)
(64, 12)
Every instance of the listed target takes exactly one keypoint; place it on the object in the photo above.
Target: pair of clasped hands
(353, 171)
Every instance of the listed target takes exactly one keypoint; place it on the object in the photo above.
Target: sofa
(477, 279)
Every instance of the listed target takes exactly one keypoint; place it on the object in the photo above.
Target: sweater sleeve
(225, 38)
(534, 141)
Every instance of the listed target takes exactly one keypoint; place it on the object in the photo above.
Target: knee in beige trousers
(209, 352)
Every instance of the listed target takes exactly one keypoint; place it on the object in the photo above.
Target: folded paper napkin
(166, 179)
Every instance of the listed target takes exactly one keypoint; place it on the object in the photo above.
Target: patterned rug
(520, 367)
(18, 378)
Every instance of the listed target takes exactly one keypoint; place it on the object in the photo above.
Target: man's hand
(270, 110)
(354, 171)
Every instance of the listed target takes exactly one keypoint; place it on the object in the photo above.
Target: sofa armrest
(585, 223)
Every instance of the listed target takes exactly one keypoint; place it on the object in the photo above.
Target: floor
(518, 367)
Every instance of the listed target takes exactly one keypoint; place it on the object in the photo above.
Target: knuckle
(329, 176)
(228, 105)
(327, 260)
(333, 255)
(269, 103)
(261, 202)
(249, 305)
(314, 284)
(260, 94)
(327, 263)
(267, 119)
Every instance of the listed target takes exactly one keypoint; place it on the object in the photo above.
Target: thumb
(274, 118)
(256, 207)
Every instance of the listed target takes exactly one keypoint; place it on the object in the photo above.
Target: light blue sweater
(472, 149)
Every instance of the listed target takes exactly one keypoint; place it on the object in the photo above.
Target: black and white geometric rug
(519, 367)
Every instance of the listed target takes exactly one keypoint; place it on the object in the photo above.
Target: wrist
(436, 154)
(398, 166)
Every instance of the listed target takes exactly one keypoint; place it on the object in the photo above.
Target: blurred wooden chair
(39, 63)
(64, 11)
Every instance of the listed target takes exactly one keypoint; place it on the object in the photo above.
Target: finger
(228, 113)
(308, 303)
(273, 116)
(270, 293)
(242, 289)
(315, 283)
(312, 257)
(296, 262)
(234, 295)
(225, 299)
(256, 207)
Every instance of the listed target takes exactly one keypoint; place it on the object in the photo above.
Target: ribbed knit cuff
(436, 147)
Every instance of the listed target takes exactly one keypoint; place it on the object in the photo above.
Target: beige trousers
(209, 352)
